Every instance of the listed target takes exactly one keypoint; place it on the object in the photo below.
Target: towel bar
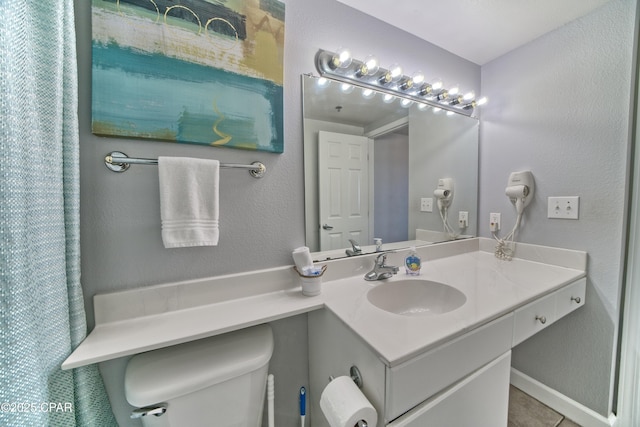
(117, 161)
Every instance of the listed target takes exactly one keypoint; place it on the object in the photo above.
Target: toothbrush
(303, 404)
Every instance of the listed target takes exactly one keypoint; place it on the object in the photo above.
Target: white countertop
(152, 317)
(492, 287)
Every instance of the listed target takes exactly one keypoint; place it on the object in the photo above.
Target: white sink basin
(416, 297)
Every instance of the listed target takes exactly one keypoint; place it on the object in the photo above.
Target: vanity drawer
(571, 298)
(534, 317)
(418, 379)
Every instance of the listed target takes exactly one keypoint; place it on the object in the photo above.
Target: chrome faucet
(355, 248)
(380, 269)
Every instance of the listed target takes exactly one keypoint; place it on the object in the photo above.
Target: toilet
(218, 381)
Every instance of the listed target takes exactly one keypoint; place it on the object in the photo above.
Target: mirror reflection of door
(343, 177)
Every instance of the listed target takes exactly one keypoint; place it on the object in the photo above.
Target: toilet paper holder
(355, 375)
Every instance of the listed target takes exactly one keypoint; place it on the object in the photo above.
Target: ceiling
(478, 30)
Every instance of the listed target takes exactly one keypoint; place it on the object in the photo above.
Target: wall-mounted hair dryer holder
(444, 192)
(520, 187)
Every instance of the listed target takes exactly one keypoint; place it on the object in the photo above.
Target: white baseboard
(571, 409)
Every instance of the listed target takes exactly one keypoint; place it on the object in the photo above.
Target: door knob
(327, 227)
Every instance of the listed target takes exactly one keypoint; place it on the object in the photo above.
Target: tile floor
(525, 411)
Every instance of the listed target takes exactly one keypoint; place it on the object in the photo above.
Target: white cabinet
(479, 400)
(534, 317)
(412, 382)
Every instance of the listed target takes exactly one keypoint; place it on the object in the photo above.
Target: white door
(343, 176)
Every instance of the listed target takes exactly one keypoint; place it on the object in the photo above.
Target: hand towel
(189, 201)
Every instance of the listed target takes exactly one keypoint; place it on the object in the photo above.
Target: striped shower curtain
(41, 305)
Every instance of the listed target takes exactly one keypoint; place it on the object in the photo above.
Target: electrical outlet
(463, 219)
(426, 204)
(563, 207)
(494, 221)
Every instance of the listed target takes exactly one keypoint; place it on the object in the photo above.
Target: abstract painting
(189, 71)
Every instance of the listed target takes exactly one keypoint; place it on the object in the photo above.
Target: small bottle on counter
(412, 263)
(378, 242)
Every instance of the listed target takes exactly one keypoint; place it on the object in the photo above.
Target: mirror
(372, 166)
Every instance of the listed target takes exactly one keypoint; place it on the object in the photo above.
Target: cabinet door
(479, 400)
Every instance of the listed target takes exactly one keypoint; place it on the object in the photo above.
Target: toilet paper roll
(343, 404)
(302, 258)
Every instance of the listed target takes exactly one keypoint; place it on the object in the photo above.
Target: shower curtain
(41, 305)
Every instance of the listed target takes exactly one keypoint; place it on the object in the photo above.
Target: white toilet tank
(218, 381)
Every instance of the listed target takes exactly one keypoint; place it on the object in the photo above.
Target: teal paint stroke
(139, 94)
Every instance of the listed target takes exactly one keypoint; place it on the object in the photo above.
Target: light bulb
(437, 85)
(396, 72)
(346, 88)
(469, 96)
(436, 110)
(454, 90)
(369, 66)
(418, 78)
(368, 93)
(341, 59)
(323, 81)
(388, 98)
(425, 90)
(482, 101)
(406, 103)
(422, 106)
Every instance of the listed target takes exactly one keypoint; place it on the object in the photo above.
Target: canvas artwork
(190, 71)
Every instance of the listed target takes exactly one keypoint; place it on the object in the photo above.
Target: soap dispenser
(412, 262)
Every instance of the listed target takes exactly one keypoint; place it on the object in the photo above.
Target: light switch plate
(426, 204)
(563, 207)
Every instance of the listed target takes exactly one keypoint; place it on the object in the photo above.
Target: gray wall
(560, 107)
(261, 221)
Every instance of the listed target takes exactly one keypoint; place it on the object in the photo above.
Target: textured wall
(560, 108)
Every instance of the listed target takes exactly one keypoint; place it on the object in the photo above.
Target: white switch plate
(426, 204)
(563, 207)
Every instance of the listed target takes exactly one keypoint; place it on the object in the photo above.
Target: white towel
(188, 201)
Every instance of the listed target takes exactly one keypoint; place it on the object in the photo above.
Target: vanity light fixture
(367, 74)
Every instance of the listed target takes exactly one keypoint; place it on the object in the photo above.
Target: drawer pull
(576, 299)
(542, 319)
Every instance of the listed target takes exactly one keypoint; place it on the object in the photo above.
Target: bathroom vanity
(470, 371)
(421, 358)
